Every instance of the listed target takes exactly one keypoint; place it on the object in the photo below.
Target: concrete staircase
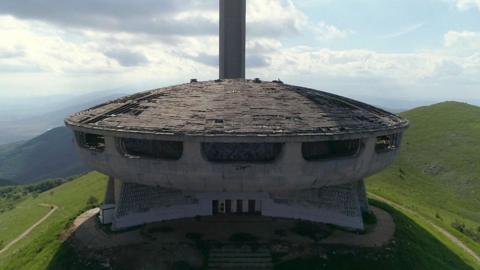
(240, 257)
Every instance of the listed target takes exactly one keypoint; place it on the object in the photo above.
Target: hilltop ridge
(438, 170)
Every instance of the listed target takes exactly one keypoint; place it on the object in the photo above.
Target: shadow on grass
(67, 258)
(413, 248)
(138, 255)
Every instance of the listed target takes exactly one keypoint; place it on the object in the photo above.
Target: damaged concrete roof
(237, 107)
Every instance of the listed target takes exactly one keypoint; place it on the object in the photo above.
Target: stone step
(248, 266)
(245, 257)
(237, 250)
(240, 255)
(241, 260)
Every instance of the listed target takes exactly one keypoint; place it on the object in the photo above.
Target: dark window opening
(239, 206)
(215, 207)
(330, 149)
(152, 149)
(251, 207)
(387, 143)
(90, 141)
(241, 152)
(228, 206)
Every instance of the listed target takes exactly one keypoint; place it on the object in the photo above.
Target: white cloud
(407, 30)
(39, 58)
(325, 32)
(274, 18)
(465, 41)
(467, 4)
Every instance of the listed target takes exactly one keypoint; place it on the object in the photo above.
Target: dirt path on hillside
(450, 236)
(31, 228)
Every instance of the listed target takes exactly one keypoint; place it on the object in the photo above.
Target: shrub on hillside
(311, 230)
(471, 233)
(43, 186)
(369, 218)
(194, 236)
(92, 201)
(242, 238)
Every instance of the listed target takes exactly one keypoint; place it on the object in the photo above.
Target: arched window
(241, 152)
(151, 149)
(388, 143)
(90, 141)
(330, 149)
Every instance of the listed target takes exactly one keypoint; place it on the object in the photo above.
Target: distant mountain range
(25, 118)
(4, 182)
(50, 155)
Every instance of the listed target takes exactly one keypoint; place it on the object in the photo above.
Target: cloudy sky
(426, 50)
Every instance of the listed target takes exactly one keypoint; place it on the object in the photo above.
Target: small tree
(92, 201)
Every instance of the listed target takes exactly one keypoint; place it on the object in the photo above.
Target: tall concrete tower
(232, 39)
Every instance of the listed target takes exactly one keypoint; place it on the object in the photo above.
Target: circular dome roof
(237, 108)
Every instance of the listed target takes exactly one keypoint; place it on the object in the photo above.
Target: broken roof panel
(237, 107)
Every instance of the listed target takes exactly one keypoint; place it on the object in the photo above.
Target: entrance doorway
(239, 207)
(228, 206)
(215, 207)
(251, 207)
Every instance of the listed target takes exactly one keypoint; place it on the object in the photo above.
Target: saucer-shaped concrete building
(236, 147)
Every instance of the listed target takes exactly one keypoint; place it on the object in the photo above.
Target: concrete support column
(362, 196)
(232, 39)
(192, 152)
(291, 153)
(110, 192)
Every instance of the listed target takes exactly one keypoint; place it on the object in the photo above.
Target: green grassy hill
(50, 155)
(38, 249)
(438, 171)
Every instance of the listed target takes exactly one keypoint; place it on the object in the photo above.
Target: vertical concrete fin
(232, 39)
(110, 192)
(362, 195)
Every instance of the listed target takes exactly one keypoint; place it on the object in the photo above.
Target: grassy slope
(36, 251)
(49, 155)
(13, 223)
(415, 248)
(438, 171)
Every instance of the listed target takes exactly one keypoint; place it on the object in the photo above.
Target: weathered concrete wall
(290, 171)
